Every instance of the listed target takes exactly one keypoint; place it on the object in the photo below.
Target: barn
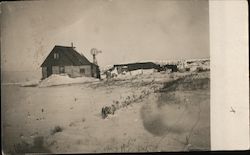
(65, 60)
(136, 66)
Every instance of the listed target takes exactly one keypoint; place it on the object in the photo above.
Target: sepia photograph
(105, 76)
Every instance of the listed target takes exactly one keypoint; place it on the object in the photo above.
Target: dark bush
(56, 129)
(108, 110)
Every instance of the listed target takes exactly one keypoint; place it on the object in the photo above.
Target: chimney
(72, 45)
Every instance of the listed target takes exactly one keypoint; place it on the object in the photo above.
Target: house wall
(72, 71)
(44, 72)
(75, 71)
(68, 70)
(94, 71)
(55, 69)
(87, 70)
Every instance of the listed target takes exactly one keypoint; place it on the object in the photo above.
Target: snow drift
(32, 83)
(131, 74)
(55, 80)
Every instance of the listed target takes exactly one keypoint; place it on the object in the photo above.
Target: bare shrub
(108, 110)
(72, 124)
(83, 119)
(56, 129)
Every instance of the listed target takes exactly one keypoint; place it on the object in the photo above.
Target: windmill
(94, 52)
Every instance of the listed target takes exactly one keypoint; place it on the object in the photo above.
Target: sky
(124, 30)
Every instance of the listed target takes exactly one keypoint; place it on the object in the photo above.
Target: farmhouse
(65, 60)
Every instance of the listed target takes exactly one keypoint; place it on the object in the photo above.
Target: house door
(49, 71)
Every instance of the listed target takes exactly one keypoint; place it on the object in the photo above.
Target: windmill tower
(94, 52)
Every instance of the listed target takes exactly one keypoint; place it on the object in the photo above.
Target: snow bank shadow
(24, 147)
(156, 122)
(164, 109)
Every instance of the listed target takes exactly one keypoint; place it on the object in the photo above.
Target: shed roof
(136, 63)
(139, 65)
(68, 56)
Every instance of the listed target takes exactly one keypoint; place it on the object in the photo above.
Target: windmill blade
(93, 51)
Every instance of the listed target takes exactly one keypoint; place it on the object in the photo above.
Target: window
(82, 71)
(62, 69)
(56, 55)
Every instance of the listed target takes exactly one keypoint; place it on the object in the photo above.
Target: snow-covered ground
(18, 77)
(154, 111)
(54, 80)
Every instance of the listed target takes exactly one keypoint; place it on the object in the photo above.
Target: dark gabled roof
(139, 65)
(67, 56)
(135, 64)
